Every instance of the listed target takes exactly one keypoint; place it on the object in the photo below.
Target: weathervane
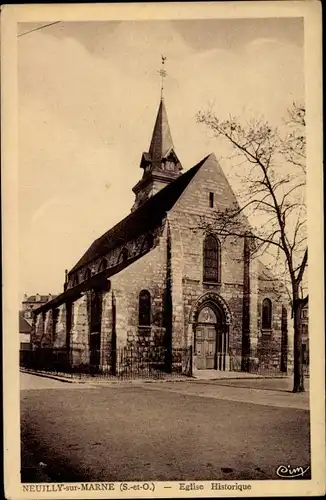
(163, 74)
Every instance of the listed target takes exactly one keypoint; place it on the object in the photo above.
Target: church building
(160, 280)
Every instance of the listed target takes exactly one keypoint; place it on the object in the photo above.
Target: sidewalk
(103, 380)
(200, 375)
(228, 375)
(263, 396)
(274, 392)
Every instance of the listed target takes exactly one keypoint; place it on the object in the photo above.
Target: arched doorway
(211, 338)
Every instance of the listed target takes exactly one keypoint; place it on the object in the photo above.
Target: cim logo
(289, 473)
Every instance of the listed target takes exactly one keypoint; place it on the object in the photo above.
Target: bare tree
(272, 173)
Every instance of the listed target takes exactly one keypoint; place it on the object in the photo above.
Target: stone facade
(166, 259)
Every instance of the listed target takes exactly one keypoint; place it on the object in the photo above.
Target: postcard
(162, 182)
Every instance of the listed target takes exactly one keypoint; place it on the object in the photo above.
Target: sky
(88, 98)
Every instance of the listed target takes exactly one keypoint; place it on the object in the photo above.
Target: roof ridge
(151, 212)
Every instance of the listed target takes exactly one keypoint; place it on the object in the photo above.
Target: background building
(32, 302)
(29, 304)
(25, 329)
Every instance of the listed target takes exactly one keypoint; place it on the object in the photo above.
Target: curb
(105, 382)
(53, 377)
(90, 381)
(254, 377)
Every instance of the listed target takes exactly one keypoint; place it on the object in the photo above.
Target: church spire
(161, 164)
(161, 142)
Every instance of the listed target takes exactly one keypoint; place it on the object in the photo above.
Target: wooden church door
(205, 347)
(209, 341)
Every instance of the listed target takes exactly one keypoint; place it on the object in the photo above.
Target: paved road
(220, 390)
(156, 432)
(269, 384)
(30, 382)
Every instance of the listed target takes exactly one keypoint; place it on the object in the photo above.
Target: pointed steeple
(161, 164)
(161, 142)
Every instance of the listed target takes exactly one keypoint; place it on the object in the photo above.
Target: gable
(210, 178)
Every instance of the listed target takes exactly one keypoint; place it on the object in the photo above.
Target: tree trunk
(298, 378)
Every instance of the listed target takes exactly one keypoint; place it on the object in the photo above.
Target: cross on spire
(163, 74)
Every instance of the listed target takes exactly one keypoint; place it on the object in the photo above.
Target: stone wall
(108, 340)
(192, 218)
(60, 328)
(79, 335)
(147, 273)
(269, 346)
(176, 261)
(39, 330)
(47, 338)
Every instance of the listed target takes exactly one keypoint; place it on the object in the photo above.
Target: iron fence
(122, 363)
(143, 362)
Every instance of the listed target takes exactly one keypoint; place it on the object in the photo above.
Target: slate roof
(24, 326)
(146, 218)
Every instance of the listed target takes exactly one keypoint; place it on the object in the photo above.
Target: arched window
(87, 274)
(266, 317)
(144, 308)
(212, 260)
(123, 257)
(75, 280)
(103, 265)
(148, 243)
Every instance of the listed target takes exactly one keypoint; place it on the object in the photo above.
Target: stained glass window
(211, 260)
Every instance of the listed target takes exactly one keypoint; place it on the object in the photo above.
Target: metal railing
(122, 363)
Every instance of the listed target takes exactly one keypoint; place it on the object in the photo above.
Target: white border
(11, 15)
